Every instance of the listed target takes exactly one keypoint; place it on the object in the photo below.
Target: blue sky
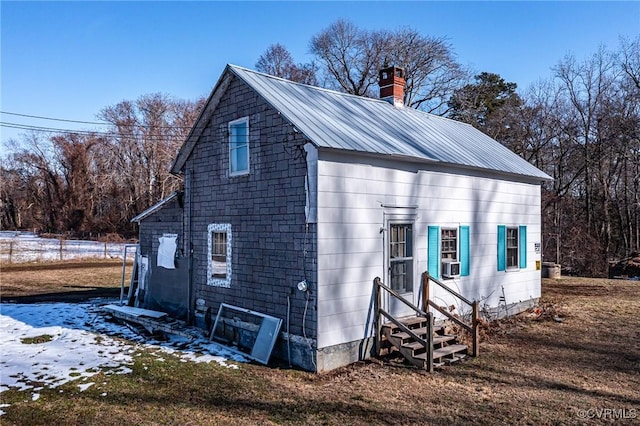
(71, 59)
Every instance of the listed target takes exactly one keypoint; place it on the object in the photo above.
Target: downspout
(189, 248)
(311, 216)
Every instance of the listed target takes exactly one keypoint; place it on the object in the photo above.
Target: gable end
(201, 123)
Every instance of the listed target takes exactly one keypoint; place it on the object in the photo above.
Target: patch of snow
(82, 344)
(27, 247)
(84, 386)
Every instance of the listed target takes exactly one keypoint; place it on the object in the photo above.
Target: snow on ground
(75, 341)
(17, 247)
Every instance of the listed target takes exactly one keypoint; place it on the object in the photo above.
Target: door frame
(396, 216)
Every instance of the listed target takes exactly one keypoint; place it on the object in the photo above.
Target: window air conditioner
(451, 269)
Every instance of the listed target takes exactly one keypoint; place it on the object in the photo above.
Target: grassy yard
(567, 364)
(60, 280)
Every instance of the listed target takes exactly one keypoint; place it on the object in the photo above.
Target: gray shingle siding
(266, 210)
(167, 219)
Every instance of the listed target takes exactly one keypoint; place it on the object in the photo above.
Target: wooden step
(448, 350)
(421, 332)
(451, 350)
(444, 338)
(412, 325)
(403, 336)
(413, 321)
(437, 342)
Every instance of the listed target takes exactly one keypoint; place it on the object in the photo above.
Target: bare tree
(87, 182)
(275, 61)
(431, 70)
(147, 134)
(351, 58)
(630, 59)
(278, 61)
(588, 85)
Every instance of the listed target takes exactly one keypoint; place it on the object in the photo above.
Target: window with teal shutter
(464, 251)
(523, 247)
(502, 248)
(433, 255)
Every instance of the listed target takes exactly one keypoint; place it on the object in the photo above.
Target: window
(219, 255)
(449, 241)
(448, 244)
(401, 257)
(239, 146)
(512, 247)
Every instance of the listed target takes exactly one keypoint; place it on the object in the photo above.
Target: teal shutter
(502, 248)
(464, 251)
(433, 251)
(523, 246)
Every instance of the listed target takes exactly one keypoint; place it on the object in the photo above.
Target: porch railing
(427, 343)
(472, 328)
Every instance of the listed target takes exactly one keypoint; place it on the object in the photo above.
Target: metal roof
(337, 120)
(154, 208)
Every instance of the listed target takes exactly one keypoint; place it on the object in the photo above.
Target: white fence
(17, 247)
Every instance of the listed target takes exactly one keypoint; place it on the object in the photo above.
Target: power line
(103, 123)
(133, 135)
(97, 123)
(82, 132)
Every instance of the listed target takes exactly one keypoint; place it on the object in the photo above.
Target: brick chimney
(392, 85)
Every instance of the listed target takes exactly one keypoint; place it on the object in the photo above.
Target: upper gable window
(239, 146)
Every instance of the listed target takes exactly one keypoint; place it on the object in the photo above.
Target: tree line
(94, 182)
(581, 126)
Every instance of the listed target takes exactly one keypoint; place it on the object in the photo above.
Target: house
(297, 197)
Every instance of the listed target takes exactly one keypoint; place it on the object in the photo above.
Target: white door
(400, 265)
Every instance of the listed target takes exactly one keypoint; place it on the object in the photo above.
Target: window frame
(407, 258)
(232, 148)
(456, 253)
(434, 248)
(507, 234)
(213, 280)
(509, 237)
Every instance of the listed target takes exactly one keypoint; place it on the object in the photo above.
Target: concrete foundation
(503, 311)
(333, 357)
(294, 350)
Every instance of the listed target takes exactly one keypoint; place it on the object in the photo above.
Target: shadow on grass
(50, 266)
(66, 296)
(523, 380)
(615, 353)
